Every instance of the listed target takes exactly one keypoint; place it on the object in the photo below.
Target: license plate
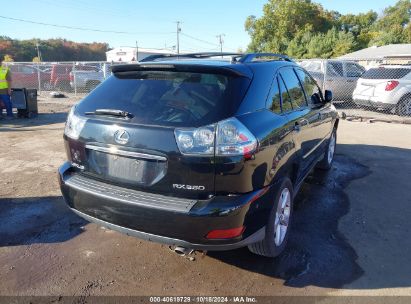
(119, 168)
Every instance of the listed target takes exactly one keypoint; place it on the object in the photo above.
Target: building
(129, 54)
(375, 55)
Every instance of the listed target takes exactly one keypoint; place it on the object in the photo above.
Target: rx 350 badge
(188, 187)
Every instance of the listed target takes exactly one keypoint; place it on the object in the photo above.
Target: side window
(309, 84)
(353, 70)
(285, 96)
(335, 68)
(294, 88)
(312, 66)
(274, 100)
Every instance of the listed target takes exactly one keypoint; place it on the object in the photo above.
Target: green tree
(283, 20)
(360, 26)
(334, 43)
(8, 58)
(52, 50)
(304, 29)
(394, 24)
(297, 47)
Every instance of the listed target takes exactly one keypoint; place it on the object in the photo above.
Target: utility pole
(178, 37)
(38, 65)
(136, 50)
(221, 42)
(38, 51)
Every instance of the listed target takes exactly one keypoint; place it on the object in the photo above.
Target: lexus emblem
(121, 137)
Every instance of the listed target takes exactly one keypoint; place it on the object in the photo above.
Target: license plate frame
(116, 167)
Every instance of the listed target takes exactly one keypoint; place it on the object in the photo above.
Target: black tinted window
(285, 97)
(335, 69)
(274, 100)
(309, 85)
(386, 73)
(169, 98)
(353, 70)
(294, 88)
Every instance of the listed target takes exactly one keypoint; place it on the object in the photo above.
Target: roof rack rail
(189, 56)
(250, 57)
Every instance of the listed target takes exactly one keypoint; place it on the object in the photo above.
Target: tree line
(304, 29)
(51, 50)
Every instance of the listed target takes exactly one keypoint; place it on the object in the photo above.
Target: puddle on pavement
(37, 220)
(317, 253)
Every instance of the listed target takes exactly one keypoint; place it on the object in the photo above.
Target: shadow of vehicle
(25, 221)
(317, 253)
(350, 228)
(353, 239)
(42, 119)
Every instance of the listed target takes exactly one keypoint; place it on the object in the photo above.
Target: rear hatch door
(138, 150)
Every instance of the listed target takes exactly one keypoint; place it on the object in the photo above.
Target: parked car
(87, 80)
(60, 75)
(339, 76)
(199, 154)
(29, 77)
(387, 87)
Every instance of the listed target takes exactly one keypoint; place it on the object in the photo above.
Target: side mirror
(316, 99)
(328, 96)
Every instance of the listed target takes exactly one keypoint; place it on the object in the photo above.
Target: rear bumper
(257, 236)
(373, 103)
(169, 224)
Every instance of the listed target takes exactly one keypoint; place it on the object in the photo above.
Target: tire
(274, 243)
(403, 107)
(327, 161)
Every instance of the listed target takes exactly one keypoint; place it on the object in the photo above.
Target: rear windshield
(386, 73)
(169, 98)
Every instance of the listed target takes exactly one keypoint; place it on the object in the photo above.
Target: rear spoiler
(240, 70)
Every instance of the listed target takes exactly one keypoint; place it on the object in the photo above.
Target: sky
(152, 23)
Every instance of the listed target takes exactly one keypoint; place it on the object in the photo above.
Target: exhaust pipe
(182, 251)
(186, 252)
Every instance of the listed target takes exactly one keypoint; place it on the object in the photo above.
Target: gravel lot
(350, 234)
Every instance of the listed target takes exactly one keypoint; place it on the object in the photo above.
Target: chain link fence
(65, 77)
(366, 89)
(370, 89)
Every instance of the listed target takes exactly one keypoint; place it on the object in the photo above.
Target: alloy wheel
(331, 149)
(282, 218)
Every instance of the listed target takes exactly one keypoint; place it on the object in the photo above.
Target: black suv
(200, 153)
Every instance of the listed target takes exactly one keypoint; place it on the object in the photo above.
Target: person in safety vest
(5, 90)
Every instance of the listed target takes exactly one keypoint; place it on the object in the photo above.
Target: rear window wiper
(111, 112)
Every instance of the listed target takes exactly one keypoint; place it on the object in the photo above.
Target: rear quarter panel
(271, 161)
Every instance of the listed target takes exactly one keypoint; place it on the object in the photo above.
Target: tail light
(225, 234)
(226, 138)
(71, 76)
(391, 85)
(74, 124)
